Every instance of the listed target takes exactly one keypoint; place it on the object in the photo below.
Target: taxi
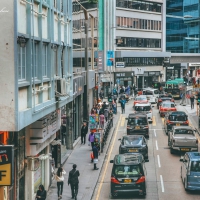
(140, 99)
(165, 107)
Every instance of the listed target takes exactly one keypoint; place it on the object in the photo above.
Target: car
(140, 99)
(151, 94)
(190, 170)
(166, 107)
(137, 124)
(126, 97)
(163, 97)
(128, 174)
(134, 143)
(144, 108)
(177, 118)
(182, 138)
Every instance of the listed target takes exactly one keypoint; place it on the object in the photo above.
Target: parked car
(190, 170)
(182, 138)
(137, 124)
(140, 99)
(134, 144)
(166, 107)
(144, 108)
(128, 174)
(177, 118)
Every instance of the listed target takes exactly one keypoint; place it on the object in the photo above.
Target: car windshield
(137, 121)
(141, 98)
(142, 108)
(183, 131)
(195, 166)
(127, 171)
(178, 118)
(168, 105)
(132, 141)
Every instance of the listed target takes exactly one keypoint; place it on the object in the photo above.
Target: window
(21, 63)
(55, 63)
(44, 59)
(34, 55)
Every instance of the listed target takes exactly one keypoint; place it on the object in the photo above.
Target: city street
(163, 169)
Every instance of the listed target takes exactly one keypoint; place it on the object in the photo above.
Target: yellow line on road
(123, 121)
(153, 121)
(108, 160)
(162, 120)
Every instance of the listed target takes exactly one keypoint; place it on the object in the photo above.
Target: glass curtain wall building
(182, 26)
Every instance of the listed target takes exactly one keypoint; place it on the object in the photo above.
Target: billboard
(6, 165)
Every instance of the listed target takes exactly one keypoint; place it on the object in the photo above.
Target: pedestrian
(91, 139)
(102, 118)
(114, 106)
(123, 102)
(73, 181)
(84, 131)
(110, 116)
(60, 181)
(41, 193)
(106, 114)
(95, 155)
(192, 101)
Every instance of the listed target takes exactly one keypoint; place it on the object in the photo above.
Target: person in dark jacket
(41, 193)
(95, 155)
(123, 102)
(192, 101)
(84, 130)
(73, 181)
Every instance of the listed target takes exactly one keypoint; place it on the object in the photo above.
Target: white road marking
(162, 184)
(156, 145)
(154, 132)
(158, 157)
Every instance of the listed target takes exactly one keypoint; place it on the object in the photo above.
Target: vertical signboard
(110, 58)
(100, 61)
(6, 165)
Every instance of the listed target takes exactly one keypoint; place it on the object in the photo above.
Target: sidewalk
(88, 177)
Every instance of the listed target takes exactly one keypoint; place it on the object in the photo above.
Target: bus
(175, 87)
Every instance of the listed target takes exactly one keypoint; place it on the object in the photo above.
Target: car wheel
(171, 151)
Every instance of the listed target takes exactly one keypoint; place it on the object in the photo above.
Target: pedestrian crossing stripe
(162, 120)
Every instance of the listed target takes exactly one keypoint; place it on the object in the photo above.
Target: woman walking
(60, 180)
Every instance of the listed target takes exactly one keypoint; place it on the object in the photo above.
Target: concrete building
(135, 31)
(36, 79)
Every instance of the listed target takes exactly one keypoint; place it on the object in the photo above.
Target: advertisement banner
(6, 165)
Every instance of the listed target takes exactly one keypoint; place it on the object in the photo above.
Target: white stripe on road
(158, 157)
(154, 132)
(156, 145)
(162, 184)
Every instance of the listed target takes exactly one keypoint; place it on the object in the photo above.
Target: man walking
(84, 130)
(95, 156)
(192, 101)
(110, 116)
(73, 181)
(123, 102)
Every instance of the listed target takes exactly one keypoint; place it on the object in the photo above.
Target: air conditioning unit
(61, 87)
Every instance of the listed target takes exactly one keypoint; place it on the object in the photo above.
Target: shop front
(173, 72)
(124, 78)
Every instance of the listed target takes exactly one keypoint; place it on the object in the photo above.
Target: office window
(21, 63)
(44, 59)
(34, 55)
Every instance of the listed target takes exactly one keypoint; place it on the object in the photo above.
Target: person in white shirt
(60, 180)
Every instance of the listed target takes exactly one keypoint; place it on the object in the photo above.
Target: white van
(151, 94)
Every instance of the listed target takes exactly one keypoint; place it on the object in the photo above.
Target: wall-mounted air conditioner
(61, 87)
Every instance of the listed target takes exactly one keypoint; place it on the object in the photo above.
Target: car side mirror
(111, 161)
(119, 139)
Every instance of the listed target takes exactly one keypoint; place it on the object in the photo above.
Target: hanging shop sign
(6, 165)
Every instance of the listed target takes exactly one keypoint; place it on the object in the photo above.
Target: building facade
(37, 79)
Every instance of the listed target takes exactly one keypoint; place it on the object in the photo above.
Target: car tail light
(146, 127)
(141, 180)
(114, 180)
(172, 100)
(169, 122)
(159, 100)
(186, 122)
(128, 127)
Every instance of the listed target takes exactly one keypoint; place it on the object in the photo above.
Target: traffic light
(110, 97)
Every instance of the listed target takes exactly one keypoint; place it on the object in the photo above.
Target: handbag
(95, 160)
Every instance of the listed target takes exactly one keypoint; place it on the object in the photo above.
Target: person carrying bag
(60, 181)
